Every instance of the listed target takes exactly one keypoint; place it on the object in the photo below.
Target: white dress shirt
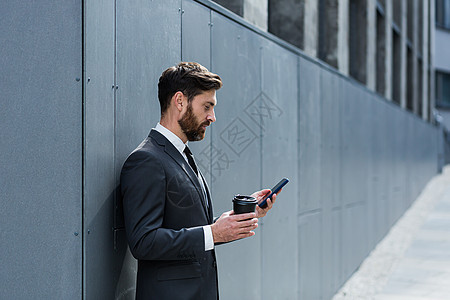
(179, 145)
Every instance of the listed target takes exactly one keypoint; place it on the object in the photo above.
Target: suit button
(214, 264)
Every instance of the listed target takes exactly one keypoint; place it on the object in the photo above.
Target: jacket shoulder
(147, 151)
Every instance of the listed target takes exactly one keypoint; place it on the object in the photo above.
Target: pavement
(413, 261)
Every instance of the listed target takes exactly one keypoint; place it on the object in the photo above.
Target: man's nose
(212, 117)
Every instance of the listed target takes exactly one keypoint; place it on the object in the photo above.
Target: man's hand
(261, 212)
(230, 227)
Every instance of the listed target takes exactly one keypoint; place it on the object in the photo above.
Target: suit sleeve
(143, 183)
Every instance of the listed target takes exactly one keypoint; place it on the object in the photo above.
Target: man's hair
(190, 78)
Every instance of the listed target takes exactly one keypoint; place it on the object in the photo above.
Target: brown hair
(190, 78)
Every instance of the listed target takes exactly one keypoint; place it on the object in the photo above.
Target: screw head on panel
(75, 233)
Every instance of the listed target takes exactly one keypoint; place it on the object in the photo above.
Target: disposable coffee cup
(244, 204)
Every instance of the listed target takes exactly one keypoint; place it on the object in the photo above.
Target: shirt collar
(172, 137)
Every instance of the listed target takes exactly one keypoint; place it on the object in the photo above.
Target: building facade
(79, 93)
(442, 59)
(384, 44)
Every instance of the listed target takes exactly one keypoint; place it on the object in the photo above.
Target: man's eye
(207, 107)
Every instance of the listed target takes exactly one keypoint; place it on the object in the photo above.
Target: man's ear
(180, 100)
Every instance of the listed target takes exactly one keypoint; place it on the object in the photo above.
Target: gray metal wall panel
(396, 179)
(409, 161)
(434, 136)
(403, 185)
(278, 112)
(236, 56)
(381, 164)
(425, 149)
(336, 266)
(363, 167)
(354, 252)
(330, 161)
(348, 244)
(148, 42)
(196, 46)
(360, 237)
(385, 181)
(400, 157)
(354, 134)
(435, 142)
(389, 168)
(428, 145)
(331, 262)
(421, 155)
(429, 148)
(315, 236)
(349, 110)
(403, 168)
(329, 182)
(310, 260)
(374, 168)
(415, 157)
(41, 146)
(196, 33)
(372, 188)
(411, 146)
(309, 124)
(99, 187)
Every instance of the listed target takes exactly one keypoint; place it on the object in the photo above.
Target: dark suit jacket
(164, 211)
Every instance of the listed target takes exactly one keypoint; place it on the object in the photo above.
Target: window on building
(286, 20)
(397, 11)
(410, 86)
(430, 103)
(409, 19)
(419, 96)
(420, 29)
(443, 13)
(381, 54)
(235, 6)
(396, 63)
(443, 89)
(358, 40)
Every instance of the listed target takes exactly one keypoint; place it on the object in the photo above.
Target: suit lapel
(170, 149)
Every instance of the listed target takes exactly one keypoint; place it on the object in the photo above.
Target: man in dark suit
(167, 205)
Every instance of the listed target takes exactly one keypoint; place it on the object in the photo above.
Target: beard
(191, 127)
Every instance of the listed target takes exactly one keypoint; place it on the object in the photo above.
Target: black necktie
(190, 158)
(191, 161)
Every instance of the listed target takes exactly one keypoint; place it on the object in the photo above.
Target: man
(167, 205)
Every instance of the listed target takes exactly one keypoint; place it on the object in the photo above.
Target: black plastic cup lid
(241, 199)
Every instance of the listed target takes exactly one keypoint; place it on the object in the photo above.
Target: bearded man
(167, 205)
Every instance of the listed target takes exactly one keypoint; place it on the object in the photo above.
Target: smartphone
(274, 190)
